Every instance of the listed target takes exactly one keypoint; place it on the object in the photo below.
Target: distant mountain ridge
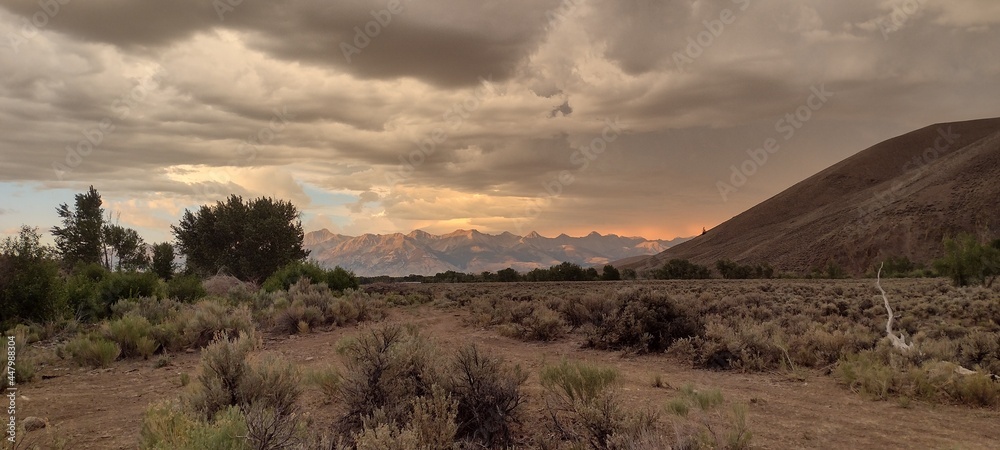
(470, 251)
(898, 198)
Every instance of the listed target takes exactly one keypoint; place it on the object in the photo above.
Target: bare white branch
(897, 341)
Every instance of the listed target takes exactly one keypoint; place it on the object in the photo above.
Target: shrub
(643, 320)
(222, 285)
(92, 352)
(581, 403)
(431, 427)
(882, 375)
(297, 319)
(340, 279)
(209, 318)
(284, 278)
(268, 396)
(386, 369)
(224, 368)
(153, 309)
(543, 324)
(315, 305)
(83, 292)
(693, 406)
(118, 286)
(166, 426)
(24, 367)
(327, 379)
(981, 349)
(133, 335)
(743, 344)
(30, 286)
(489, 397)
(186, 288)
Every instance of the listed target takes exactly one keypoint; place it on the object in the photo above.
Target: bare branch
(897, 341)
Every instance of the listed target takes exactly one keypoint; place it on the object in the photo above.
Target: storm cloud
(384, 116)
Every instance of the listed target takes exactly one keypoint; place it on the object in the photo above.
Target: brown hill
(898, 198)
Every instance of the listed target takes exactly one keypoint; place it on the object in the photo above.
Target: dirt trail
(102, 409)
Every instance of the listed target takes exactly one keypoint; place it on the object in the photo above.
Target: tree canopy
(79, 239)
(249, 240)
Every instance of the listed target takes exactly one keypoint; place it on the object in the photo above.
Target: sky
(635, 117)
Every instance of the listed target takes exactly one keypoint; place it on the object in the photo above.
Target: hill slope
(898, 198)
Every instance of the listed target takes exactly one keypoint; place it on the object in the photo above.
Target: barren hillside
(897, 198)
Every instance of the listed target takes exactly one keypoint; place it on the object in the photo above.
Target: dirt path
(102, 409)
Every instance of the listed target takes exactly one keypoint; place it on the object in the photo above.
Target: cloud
(263, 102)
(446, 43)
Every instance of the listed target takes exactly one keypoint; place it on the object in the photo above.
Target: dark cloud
(441, 42)
(262, 101)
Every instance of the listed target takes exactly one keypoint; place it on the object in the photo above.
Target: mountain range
(899, 198)
(470, 251)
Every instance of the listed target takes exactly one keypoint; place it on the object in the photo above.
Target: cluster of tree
(87, 237)
(681, 269)
(968, 261)
(734, 271)
(566, 271)
(96, 262)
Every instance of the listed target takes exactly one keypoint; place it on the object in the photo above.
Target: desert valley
(518, 224)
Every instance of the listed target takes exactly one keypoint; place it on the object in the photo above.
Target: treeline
(967, 261)
(566, 271)
(96, 262)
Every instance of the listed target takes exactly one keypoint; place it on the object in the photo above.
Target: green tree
(30, 286)
(610, 273)
(682, 269)
(568, 271)
(508, 275)
(967, 262)
(250, 240)
(123, 249)
(163, 260)
(79, 239)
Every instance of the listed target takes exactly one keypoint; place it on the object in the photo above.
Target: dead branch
(897, 341)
